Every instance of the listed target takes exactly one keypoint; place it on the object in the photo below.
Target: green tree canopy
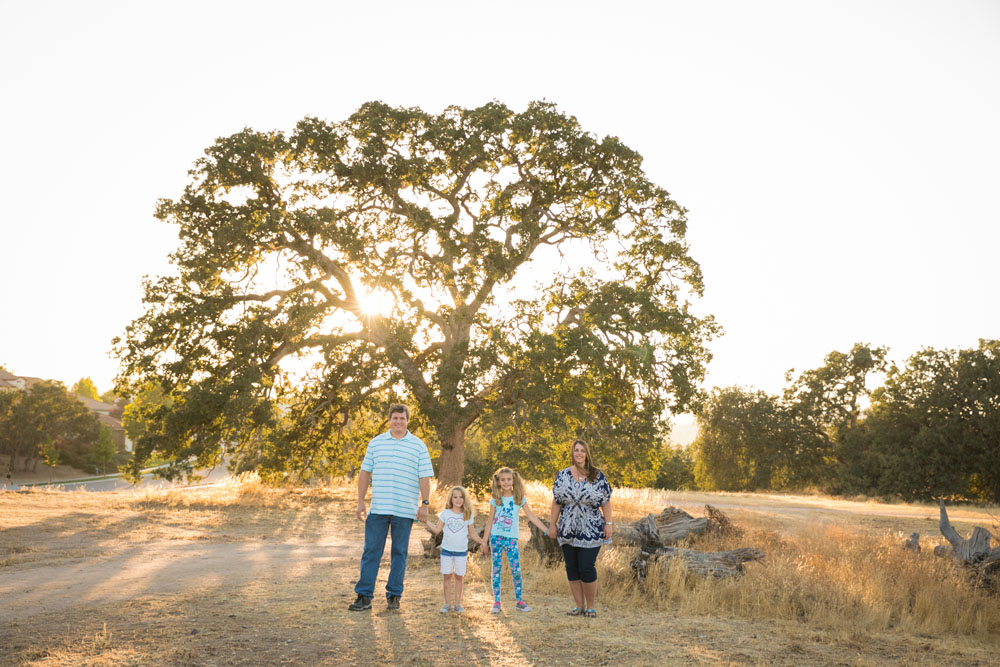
(750, 440)
(104, 449)
(825, 403)
(743, 441)
(43, 420)
(539, 281)
(933, 429)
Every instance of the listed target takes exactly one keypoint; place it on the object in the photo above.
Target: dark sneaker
(392, 602)
(363, 602)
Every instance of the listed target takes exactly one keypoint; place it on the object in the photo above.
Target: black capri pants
(580, 563)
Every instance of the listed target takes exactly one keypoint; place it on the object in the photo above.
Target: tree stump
(705, 563)
(973, 553)
(913, 543)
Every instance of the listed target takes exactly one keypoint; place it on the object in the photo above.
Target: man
(398, 467)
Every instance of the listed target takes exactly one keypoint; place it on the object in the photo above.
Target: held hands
(551, 532)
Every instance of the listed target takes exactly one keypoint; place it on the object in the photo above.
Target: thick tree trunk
(451, 468)
(973, 553)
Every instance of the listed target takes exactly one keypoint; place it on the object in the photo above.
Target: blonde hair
(468, 511)
(518, 485)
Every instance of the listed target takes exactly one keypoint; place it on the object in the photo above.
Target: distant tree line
(932, 429)
(45, 423)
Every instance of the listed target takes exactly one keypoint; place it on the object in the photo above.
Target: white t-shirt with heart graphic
(455, 536)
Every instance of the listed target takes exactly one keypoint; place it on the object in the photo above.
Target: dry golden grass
(271, 572)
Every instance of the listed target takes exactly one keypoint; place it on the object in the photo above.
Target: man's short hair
(398, 407)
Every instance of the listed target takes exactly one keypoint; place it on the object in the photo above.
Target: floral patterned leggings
(498, 547)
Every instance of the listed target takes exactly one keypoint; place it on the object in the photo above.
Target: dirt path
(160, 568)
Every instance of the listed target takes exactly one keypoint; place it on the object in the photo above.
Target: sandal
(575, 611)
(590, 613)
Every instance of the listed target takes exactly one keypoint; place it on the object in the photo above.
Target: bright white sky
(840, 160)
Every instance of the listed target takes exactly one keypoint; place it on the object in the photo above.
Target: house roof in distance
(10, 381)
(99, 407)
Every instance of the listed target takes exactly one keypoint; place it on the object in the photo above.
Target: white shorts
(454, 564)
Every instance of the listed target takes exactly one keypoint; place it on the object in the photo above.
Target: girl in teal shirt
(501, 531)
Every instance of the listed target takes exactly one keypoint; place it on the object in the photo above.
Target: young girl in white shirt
(456, 521)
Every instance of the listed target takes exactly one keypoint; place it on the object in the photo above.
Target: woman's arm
(534, 519)
(554, 513)
(606, 509)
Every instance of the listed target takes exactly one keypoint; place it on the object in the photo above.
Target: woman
(581, 508)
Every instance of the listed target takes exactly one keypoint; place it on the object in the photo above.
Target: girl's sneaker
(522, 606)
(496, 608)
(458, 609)
(445, 609)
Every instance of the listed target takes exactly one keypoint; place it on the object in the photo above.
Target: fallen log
(659, 530)
(973, 553)
(650, 534)
(671, 526)
(716, 564)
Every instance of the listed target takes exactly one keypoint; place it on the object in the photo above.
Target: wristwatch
(425, 502)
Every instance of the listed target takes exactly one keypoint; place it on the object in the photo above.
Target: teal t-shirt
(505, 517)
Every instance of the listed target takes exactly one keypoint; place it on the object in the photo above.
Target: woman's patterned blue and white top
(581, 523)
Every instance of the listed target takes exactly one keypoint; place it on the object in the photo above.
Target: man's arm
(425, 494)
(364, 481)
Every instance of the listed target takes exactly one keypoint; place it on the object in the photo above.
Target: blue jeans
(377, 526)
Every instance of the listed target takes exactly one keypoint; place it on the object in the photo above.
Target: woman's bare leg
(589, 593)
(576, 590)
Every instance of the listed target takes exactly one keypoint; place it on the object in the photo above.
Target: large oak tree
(540, 282)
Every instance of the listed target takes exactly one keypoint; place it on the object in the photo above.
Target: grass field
(246, 574)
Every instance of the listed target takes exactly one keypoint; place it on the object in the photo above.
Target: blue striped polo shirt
(396, 467)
